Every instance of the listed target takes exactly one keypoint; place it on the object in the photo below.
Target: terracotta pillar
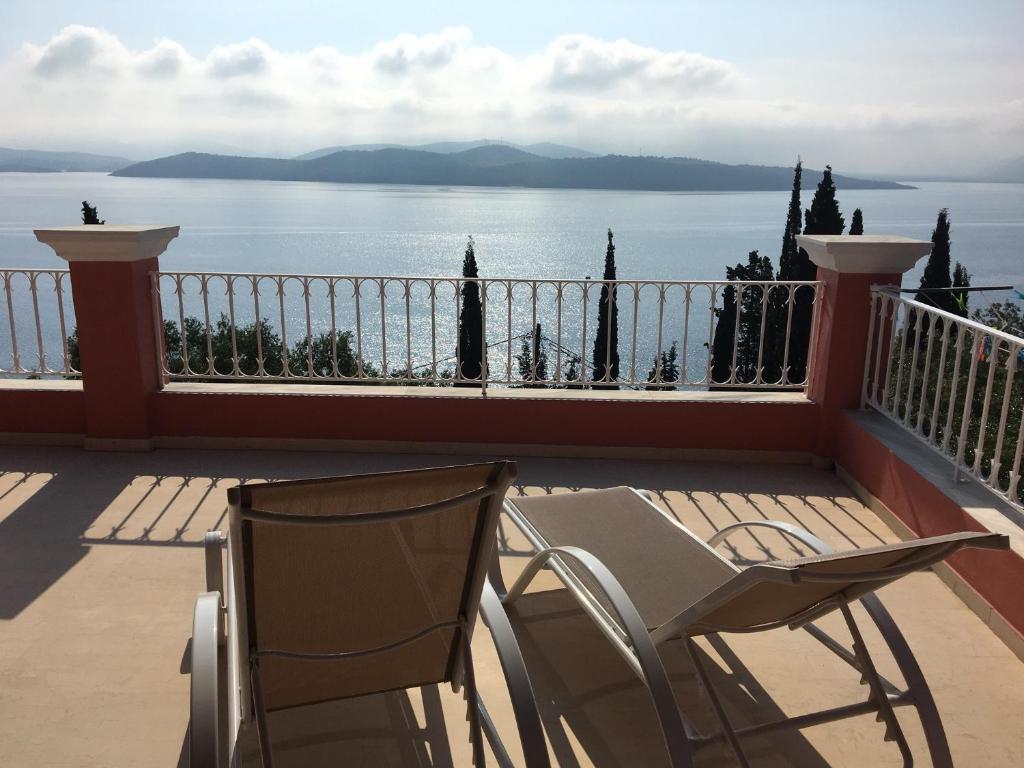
(848, 266)
(110, 283)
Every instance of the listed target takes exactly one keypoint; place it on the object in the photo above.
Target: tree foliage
(471, 329)
(532, 359)
(739, 323)
(89, 214)
(857, 225)
(961, 279)
(936, 271)
(606, 340)
(664, 369)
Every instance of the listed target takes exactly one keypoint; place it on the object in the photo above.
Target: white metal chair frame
(214, 619)
(637, 646)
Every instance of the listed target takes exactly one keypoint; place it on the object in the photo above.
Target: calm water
(275, 227)
(365, 229)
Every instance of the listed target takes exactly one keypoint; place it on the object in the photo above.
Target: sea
(367, 229)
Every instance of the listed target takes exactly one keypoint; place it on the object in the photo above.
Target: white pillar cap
(864, 254)
(107, 242)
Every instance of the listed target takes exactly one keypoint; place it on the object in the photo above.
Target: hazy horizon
(925, 88)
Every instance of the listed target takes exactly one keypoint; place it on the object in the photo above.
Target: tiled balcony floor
(99, 571)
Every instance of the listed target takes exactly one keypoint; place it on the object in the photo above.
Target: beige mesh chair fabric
(660, 564)
(646, 579)
(680, 585)
(362, 584)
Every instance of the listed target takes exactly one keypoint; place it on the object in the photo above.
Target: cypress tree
(822, 218)
(669, 369)
(936, 271)
(748, 344)
(89, 214)
(532, 360)
(857, 225)
(961, 279)
(606, 340)
(790, 266)
(471, 328)
(789, 261)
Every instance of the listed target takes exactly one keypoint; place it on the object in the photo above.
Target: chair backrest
(354, 585)
(793, 592)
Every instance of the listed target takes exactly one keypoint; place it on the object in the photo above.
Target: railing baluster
(636, 318)
(909, 409)
(286, 369)
(947, 432)
(940, 378)
(58, 280)
(332, 287)
(204, 288)
(922, 401)
(15, 361)
(558, 332)
(356, 289)
(408, 329)
(985, 404)
(873, 306)
(261, 368)
(736, 332)
(385, 371)
(713, 288)
(186, 368)
(229, 287)
(33, 289)
(790, 302)
(1004, 413)
(309, 328)
(686, 335)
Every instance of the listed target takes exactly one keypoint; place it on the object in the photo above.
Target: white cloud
(408, 52)
(249, 58)
(583, 63)
(76, 51)
(84, 87)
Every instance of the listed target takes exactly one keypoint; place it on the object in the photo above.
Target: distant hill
(542, 149)
(494, 166)
(37, 161)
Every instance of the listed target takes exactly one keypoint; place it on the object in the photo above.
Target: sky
(910, 87)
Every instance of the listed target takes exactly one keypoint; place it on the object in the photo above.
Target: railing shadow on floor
(593, 705)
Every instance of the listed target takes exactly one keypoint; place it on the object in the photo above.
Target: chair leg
(716, 703)
(266, 756)
(893, 731)
(921, 695)
(472, 703)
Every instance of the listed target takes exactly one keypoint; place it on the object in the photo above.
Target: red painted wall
(42, 411)
(473, 419)
(996, 576)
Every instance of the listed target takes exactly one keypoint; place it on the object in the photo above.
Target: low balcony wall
(911, 486)
(564, 421)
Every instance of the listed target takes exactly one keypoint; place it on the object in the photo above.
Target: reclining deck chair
(341, 587)
(646, 579)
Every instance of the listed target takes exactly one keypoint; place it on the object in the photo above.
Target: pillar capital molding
(107, 242)
(864, 254)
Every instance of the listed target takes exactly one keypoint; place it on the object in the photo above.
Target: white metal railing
(405, 330)
(36, 314)
(952, 382)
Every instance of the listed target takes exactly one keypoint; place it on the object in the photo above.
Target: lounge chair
(646, 579)
(342, 587)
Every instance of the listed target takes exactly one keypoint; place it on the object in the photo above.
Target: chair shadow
(597, 712)
(379, 730)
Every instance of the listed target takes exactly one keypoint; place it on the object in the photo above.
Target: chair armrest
(213, 543)
(204, 698)
(524, 705)
(794, 531)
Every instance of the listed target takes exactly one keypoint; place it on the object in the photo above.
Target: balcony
(109, 481)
